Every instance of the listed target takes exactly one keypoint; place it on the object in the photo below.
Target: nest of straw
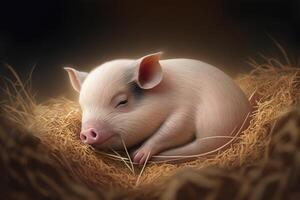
(56, 123)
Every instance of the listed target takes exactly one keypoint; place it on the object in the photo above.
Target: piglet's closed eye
(120, 100)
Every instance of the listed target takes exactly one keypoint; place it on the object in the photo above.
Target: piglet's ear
(149, 72)
(76, 77)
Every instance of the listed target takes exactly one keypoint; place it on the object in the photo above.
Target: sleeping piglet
(174, 107)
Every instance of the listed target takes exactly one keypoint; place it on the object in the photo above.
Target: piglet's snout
(90, 136)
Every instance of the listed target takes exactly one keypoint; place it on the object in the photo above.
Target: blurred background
(50, 34)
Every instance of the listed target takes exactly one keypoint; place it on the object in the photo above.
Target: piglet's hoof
(141, 155)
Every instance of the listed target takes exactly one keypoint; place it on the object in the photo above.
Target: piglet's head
(114, 100)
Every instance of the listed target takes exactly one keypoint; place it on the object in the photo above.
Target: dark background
(85, 33)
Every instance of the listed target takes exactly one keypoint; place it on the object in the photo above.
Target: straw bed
(57, 124)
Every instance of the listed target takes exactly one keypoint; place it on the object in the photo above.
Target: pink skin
(169, 106)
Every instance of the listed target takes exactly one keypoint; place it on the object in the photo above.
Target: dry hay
(57, 124)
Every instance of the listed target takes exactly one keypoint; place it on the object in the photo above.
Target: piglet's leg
(177, 130)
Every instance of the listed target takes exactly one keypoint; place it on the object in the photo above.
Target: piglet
(174, 107)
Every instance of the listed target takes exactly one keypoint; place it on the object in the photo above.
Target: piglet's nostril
(93, 134)
(90, 136)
